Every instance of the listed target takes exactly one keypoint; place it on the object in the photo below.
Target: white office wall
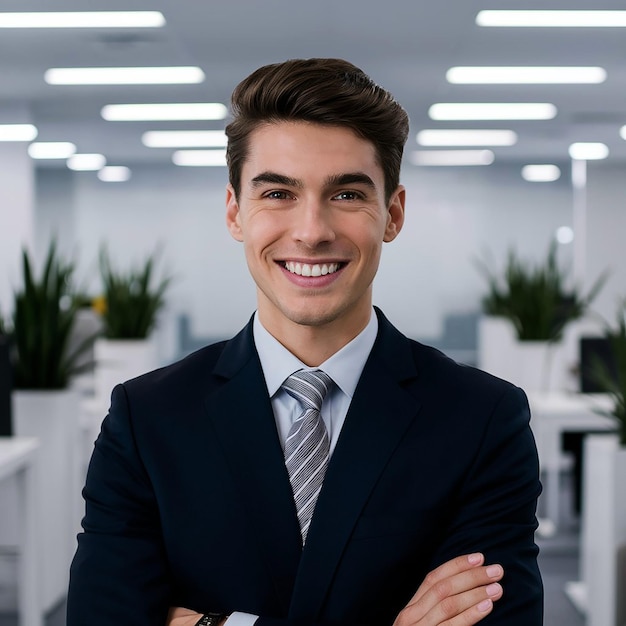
(606, 233)
(453, 216)
(17, 208)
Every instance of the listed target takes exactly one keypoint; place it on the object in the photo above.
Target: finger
(458, 592)
(467, 607)
(449, 568)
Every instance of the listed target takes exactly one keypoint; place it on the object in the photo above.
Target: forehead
(309, 150)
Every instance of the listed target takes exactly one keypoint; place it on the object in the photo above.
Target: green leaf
(132, 300)
(534, 298)
(42, 324)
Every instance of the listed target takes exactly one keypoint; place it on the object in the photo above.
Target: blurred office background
(469, 196)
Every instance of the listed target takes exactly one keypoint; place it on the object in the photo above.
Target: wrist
(212, 619)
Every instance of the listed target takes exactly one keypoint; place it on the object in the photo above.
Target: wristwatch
(211, 619)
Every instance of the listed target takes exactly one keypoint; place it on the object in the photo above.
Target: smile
(305, 269)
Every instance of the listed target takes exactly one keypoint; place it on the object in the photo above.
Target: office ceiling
(405, 45)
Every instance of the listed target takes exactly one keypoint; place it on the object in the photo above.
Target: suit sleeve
(119, 573)
(496, 512)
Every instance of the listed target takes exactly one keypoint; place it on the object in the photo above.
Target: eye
(348, 195)
(277, 195)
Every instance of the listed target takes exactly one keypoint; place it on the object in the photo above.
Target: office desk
(554, 413)
(17, 459)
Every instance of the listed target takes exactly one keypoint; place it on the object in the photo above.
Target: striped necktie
(307, 446)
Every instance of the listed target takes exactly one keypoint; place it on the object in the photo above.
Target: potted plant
(604, 505)
(610, 374)
(537, 306)
(46, 407)
(5, 383)
(43, 320)
(130, 304)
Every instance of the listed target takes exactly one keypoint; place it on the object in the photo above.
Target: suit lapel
(241, 414)
(379, 415)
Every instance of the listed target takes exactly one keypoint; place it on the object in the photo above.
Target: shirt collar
(344, 367)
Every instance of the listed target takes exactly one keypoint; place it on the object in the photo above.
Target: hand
(179, 616)
(460, 592)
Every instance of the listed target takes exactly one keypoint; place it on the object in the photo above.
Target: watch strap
(211, 619)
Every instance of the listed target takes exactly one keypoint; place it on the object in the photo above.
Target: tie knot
(309, 387)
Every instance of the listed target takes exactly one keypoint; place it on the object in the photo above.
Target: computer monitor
(5, 388)
(593, 352)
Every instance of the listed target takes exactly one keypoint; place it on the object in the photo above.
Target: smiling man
(320, 467)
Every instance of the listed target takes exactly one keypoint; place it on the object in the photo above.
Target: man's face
(312, 217)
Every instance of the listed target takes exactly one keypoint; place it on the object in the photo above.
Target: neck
(315, 344)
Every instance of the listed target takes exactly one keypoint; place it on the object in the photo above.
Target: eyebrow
(336, 180)
(350, 178)
(274, 178)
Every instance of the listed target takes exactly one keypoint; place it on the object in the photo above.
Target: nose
(313, 223)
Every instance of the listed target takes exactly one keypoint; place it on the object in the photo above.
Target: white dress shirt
(344, 367)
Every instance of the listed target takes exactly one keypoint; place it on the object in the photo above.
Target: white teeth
(304, 269)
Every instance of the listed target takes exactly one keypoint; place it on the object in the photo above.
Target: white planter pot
(535, 365)
(53, 418)
(118, 361)
(496, 341)
(603, 536)
(532, 365)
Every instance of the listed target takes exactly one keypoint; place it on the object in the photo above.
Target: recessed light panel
(541, 173)
(164, 112)
(123, 75)
(461, 137)
(492, 111)
(51, 150)
(83, 19)
(551, 19)
(525, 75)
(184, 139)
(17, 132)
(435, 158)
(588, 151)
(86, 162)
(114, 174)
(200, 158)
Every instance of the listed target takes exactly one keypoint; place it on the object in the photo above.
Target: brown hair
(323, 91)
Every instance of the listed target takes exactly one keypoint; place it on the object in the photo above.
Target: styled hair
(324, 91)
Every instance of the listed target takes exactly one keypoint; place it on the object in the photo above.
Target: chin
(314, 315)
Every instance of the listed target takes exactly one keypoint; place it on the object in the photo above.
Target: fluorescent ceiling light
(83, 19)
(169, 111)
(545, 173)
(565, 19)
(525, 75)
(492, 111)
(123, 75)
(200, 158)
(453, 137)
(622, 132)
(451, 157)
(86, 162)
(17, 132)
(114, 174)
(184, 139)
(588, 151)
(51, 150)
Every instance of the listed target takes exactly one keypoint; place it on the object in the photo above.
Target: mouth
(311, 269)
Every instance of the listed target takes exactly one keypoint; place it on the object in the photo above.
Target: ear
(395, 214)
(233, 217)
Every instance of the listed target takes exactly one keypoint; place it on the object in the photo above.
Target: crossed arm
(460, 592)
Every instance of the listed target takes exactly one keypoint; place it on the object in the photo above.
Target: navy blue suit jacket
(188, 502)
